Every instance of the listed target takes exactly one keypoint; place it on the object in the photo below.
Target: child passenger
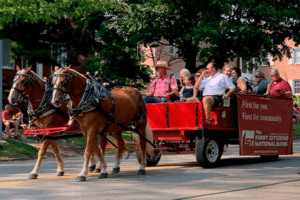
(187, 90)
(20, 118)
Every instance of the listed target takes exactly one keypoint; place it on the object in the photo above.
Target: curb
(17, 159)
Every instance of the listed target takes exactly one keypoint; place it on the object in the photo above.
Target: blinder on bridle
(64, 83)
(26, 83)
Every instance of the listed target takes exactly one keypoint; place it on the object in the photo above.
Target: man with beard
(8, 121)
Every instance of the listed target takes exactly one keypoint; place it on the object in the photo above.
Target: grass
(16, 149)
(296, 131)
(81, 141)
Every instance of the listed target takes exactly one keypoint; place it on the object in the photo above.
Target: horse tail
(149, 136)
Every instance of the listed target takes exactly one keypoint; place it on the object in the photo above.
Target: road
(175, 177)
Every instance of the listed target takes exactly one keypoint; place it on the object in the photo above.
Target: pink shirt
(279, 85)
(160, 86)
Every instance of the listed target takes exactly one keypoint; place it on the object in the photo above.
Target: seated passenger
(296, 114)
(214, 89)
(20, 119)
(182, 74)
(187, 90)
(260, 84)
(279, 87)
(9, 122)
(162, 86)
(227, 69)
(241, 82)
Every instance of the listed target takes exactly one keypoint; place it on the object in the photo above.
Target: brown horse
(126, 107)
(28, 84)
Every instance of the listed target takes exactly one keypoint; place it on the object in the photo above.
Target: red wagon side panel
(156, 114)
(182, 115)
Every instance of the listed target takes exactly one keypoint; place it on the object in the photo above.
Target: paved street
(175, 177)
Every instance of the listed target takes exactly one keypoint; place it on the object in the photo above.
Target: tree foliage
(218, 30)
(81, 27)
(248, 29)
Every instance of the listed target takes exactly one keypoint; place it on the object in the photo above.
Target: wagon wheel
(150, 161)
(208, 153)
(269, 158)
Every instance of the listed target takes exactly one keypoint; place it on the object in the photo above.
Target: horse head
(21, 85)
(63, 83)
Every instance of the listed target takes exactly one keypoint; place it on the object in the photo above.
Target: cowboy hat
(162, 64)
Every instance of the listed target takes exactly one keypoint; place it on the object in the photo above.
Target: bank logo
(248, 136)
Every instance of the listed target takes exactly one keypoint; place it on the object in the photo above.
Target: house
(43, 70)
(168, 54)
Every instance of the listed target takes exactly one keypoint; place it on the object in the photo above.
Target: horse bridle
(66, 84)
(27, 84)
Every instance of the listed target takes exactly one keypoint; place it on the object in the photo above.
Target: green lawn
(297, 131)
(16, 149)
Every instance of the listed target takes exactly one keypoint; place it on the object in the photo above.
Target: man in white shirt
(214, 84)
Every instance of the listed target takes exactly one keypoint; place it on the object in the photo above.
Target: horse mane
(77, 73)
(38, 79)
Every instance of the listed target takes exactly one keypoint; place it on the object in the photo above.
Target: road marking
(89, 175)
(73, 176)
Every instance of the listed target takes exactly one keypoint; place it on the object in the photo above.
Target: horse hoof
(116, 170)
(32, 176)
(80, 178)
(98, 170)
(92, 168)
(103, 175)
(60, 173)
(142, 172)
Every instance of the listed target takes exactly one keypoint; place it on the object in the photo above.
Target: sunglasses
(197, 75)
(274, 75)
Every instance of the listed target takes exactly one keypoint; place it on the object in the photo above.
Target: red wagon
(260, 125)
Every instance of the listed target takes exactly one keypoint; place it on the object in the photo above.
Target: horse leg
(144, 147)
(34, 173)
(121, 150)
(91, 146)
(103, 143)
(100, 154)
(92, 163)
(61, 165)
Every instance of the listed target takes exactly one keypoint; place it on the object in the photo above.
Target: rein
(90, 102)
(45, 105)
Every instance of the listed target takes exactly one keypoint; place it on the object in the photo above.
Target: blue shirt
(261, 87)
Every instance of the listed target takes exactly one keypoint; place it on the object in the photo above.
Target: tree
(84, 31)
(230, 29)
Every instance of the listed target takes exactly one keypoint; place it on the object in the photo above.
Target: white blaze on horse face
(13, 92)
(55, 92)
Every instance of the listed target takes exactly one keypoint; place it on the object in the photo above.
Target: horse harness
(45, 108)
(95, 92)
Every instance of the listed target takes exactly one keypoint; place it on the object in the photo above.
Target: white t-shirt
(216, 85)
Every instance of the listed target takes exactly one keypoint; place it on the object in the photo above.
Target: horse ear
(66, 69)
(56, 68)
(18, 68)
(28, 69)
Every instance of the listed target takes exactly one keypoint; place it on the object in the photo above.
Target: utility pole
(1, 89)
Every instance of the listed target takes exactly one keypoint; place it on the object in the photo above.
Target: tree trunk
(190, 59)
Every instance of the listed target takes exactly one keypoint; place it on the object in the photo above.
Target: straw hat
(163, 64)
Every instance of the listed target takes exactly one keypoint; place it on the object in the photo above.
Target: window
(295, 57)
(171, 50)
(263, 62)
(6, 55)
(297, 86)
